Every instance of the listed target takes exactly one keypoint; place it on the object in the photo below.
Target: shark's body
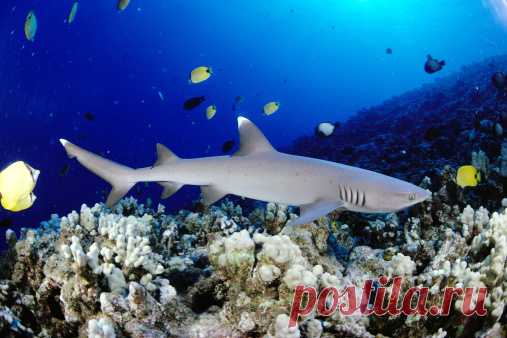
(259, 172)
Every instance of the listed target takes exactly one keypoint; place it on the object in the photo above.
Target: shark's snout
(424, 195)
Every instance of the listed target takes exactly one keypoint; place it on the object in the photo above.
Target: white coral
(268, 272)
(279, 250)
(299, 275)
(282, 329)
(234, 250)
(167, 291)
(401, 265)
(93, 258)
(115, 278)
(101, 328)
(77, 252)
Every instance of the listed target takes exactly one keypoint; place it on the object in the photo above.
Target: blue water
(323, 60)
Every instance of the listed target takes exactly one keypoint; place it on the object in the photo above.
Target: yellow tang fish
(122, 4)
(468, 176)
(17, 182)
(30, 26)
(200, 74)
(73, 12)
(211, 111)
(271, 108)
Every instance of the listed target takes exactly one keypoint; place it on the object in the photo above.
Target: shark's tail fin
(121, 178)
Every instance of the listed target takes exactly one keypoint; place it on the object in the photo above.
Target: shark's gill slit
(341, 192)
(363, 203)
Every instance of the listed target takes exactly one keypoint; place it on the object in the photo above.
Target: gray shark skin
(260, 172)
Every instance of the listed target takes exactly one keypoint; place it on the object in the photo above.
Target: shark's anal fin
(211, 194)
(313, 211)
(251, 139)
(170, 188)
(117, 193)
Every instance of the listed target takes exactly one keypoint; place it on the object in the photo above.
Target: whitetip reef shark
(260, 172)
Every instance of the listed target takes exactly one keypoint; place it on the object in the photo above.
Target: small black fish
(6, 222)
(193, 102)
(433, 65)
(238, 100)
(227, 146)
(499, 81)
(89, 116)
(65, 170)
(389, 51)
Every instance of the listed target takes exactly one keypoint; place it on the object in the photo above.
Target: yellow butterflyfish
(30, 26)
(122, 4)
(271, 108)
(17, 183)
(468, 176)
(211, 111)
(200, 74)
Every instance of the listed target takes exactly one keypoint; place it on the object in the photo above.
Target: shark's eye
(411, 196)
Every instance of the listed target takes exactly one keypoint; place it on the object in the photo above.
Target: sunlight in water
(499, 7)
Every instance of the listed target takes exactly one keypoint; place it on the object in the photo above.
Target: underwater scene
(277, 169)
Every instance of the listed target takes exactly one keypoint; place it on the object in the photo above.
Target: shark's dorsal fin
(251, 139)
(164, 155)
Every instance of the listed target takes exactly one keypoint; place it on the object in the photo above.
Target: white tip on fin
(64, 142)
(242, 120)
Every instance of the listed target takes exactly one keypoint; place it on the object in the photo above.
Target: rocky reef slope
(418, 133)
(134, 271)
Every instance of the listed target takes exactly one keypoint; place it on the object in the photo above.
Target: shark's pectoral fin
(311, 212)
(211, 194)
(170, 188)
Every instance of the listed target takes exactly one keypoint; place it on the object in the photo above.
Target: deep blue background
(323, 60)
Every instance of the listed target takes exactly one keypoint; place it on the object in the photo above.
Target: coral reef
(137, 272)
(134, 271)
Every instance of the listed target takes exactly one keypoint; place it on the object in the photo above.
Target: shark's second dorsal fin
(251, 139)
(164, 155)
